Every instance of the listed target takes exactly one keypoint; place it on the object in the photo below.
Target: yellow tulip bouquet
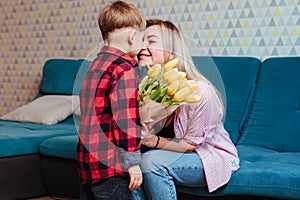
(163, 90)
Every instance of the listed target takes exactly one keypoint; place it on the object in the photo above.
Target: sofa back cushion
(235, 78)
(58, 76)
(275, 116)
(83, 68)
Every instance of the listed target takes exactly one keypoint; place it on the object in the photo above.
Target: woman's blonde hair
(175, 46)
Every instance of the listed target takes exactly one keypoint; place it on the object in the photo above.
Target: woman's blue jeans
(162, 169)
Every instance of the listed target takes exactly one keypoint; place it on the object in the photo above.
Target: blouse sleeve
(192, 120)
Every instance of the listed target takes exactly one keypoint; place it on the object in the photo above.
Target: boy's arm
(129, 159)
(127, 128)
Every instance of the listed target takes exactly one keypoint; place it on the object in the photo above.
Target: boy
(109, 131)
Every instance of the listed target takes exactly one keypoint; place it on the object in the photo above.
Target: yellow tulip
(154, 71)
(166, 74)
(192, 98)
(171, 64)
(165, 84)
(183, 83)
(172, 76)
(193, 87)
(173, 87)
(183, 74)
(181, 94)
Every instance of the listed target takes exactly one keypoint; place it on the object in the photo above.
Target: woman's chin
(144, 62)
(144, 59)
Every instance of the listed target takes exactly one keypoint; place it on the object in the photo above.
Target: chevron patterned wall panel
(32, 31)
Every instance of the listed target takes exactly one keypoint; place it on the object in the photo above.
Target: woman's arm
(179, 145)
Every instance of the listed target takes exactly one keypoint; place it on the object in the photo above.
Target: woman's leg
(162, 169)
(139, 194)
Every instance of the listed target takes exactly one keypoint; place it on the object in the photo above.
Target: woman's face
(153, 50)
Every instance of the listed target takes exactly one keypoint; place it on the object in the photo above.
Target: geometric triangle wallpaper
(32, 31)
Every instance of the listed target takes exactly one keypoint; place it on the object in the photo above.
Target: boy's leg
(112, 188)
(85, 192)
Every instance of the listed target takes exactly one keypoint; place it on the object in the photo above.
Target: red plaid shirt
(110, 121)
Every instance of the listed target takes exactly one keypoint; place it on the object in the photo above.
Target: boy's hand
(136, 177)
(146, 132)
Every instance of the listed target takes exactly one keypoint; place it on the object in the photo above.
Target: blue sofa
(263, 115)
(20, 158)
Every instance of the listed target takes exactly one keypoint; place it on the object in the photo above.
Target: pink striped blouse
(201, 124)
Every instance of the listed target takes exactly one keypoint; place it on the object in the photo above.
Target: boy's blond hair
(119, 15)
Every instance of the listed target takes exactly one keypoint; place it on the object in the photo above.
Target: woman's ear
(172, 56)
(130, 37)
(169, 56)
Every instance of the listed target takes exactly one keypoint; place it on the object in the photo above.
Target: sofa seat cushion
(61, 146)
(263, 172)
(19, 138)
(269, 172)
(235, 78)
(275, 117)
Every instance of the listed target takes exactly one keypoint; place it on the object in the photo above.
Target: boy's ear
(131, 36)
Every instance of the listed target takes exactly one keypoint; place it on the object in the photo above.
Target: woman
(201, 154)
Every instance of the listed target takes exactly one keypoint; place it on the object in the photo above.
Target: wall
(33, 31)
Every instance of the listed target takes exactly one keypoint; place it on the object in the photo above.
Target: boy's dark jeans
(112, 188)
